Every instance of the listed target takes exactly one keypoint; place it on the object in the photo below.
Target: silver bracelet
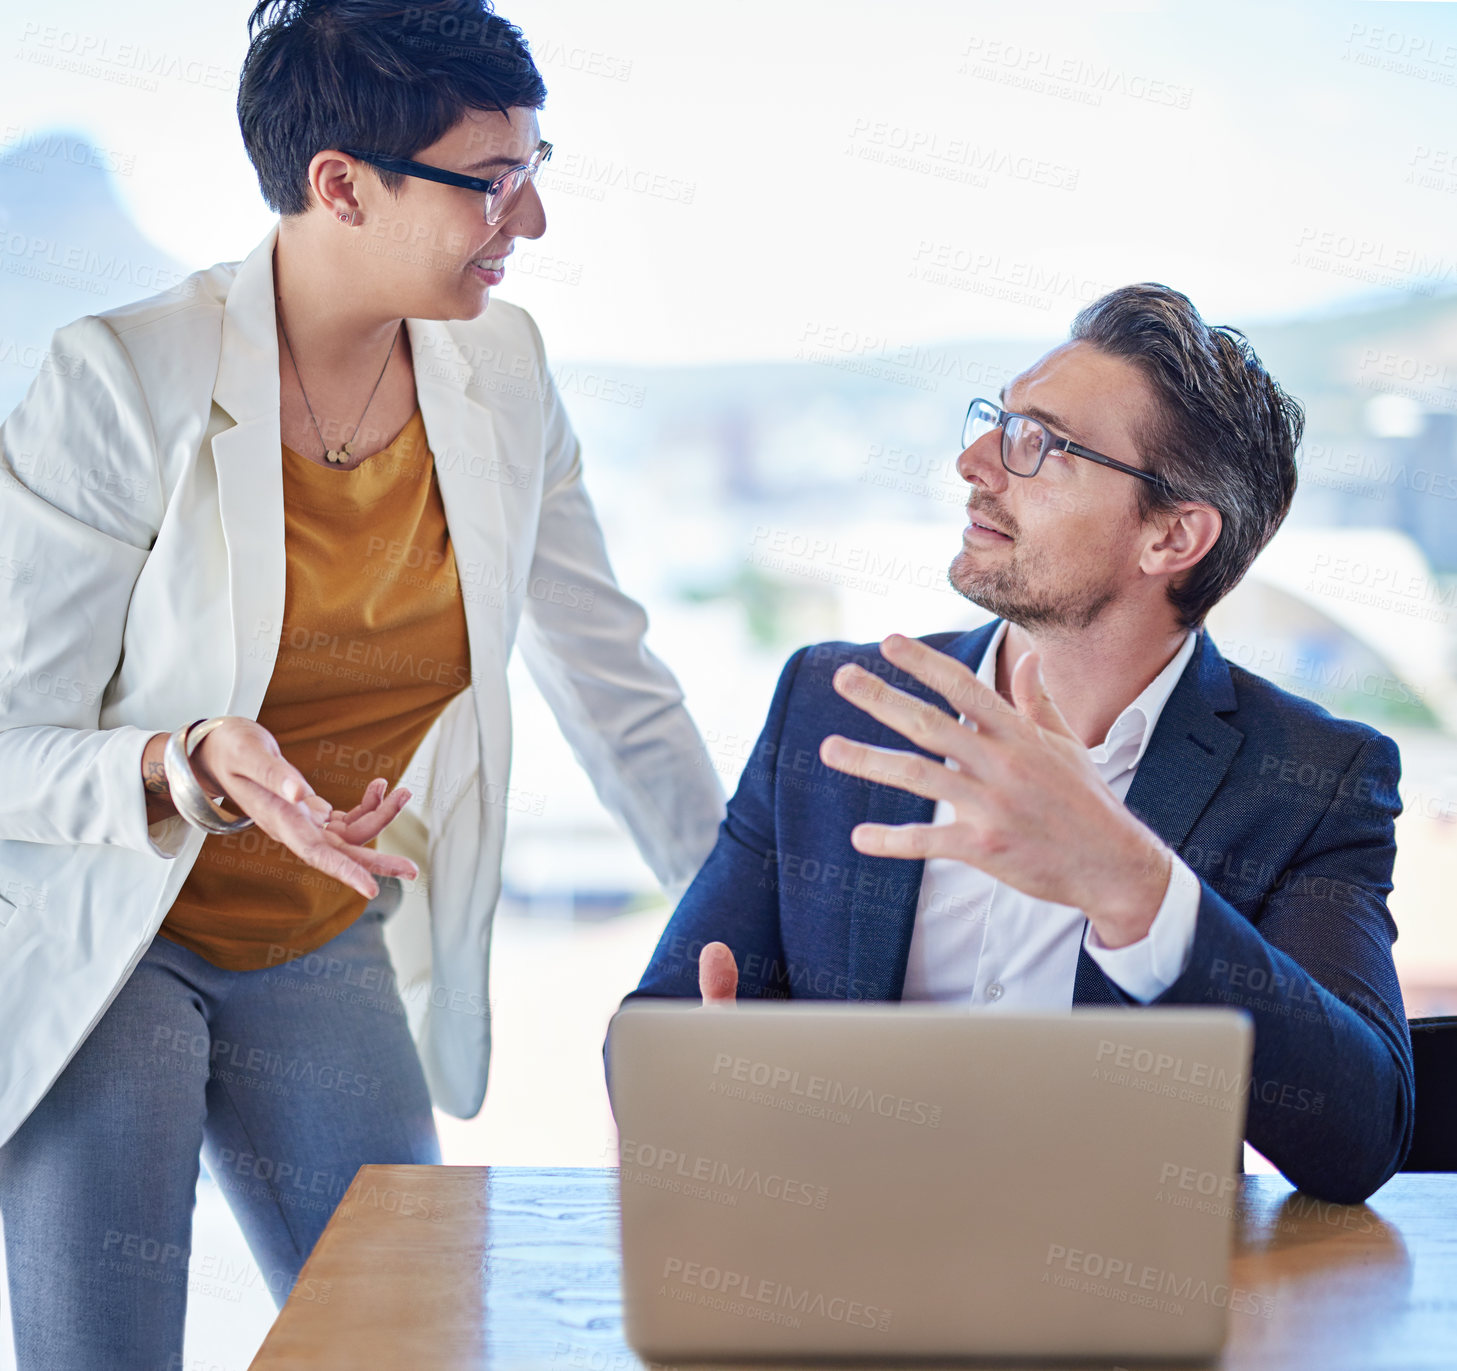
(192, 801)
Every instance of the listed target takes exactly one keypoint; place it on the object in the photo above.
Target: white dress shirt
(989, 946)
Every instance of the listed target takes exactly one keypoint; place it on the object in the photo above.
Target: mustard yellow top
(373, 647)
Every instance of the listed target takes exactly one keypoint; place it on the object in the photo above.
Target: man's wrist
(1125, 912)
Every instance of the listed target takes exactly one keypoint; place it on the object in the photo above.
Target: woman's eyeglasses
(501, 193)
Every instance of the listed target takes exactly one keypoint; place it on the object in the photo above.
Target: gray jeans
(286, 1080)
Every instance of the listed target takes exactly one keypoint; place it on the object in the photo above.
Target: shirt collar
(1136, 723)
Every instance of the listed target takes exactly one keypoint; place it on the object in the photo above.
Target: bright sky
(730, 179)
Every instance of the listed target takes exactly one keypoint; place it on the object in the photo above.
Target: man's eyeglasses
(500, 193)
(1026, 442)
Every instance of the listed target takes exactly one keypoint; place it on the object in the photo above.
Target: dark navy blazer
(1283, 811)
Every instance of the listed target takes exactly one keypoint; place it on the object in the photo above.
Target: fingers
(910, 841)
(918, 721)
(267, 768)
(952, 680)
(923, 776)
(291, 826)
(336, 862)
(331, 853)
(1030, 695)
(383, 807)
(718, 975)
(382, 863)
(373, 793)
(371, 859)
(277, 796)
(242, 749)
(320, 843)
(362, 826)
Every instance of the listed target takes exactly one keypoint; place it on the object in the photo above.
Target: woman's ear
(331, 179)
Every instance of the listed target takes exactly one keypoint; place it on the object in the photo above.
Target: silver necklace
(343, 453)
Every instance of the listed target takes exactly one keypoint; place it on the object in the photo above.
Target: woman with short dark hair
(354, 486)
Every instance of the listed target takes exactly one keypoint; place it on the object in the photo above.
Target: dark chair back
(1434, 1054)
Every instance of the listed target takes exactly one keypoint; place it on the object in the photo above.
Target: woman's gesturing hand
(242, 761)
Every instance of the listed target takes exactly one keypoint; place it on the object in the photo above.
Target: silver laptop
(889, 1180)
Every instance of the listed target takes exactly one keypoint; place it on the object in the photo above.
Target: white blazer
(142, 586)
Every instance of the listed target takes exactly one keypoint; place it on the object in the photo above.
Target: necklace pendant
(330, 455)
(348, 449)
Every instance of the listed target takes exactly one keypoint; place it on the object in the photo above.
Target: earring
(345, 218)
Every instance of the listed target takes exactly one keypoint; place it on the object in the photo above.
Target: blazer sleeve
(619, 707)
(734, 899)
(80, 503)
(1331, 1088)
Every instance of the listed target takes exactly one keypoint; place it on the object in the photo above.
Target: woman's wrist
(205, 778)
(154, 780)
(194, 796)
(160, 804)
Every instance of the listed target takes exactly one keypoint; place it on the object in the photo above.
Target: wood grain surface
(516, 1268)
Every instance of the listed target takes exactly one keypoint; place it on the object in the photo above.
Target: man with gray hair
(1095, 807)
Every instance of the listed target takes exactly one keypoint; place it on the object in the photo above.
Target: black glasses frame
(1051, 443)
(403, 166)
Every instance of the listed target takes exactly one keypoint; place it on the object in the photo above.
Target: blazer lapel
(1090, 985)
(887, 889)
(1181, 769)
(249, 461)
(463, 442)
(1191, 748)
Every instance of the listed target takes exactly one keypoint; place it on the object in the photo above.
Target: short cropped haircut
(1222, 432)
(371, 74)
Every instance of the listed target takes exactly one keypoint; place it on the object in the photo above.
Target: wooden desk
(516, 1268)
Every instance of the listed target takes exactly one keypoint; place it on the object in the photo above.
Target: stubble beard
(1005, 591)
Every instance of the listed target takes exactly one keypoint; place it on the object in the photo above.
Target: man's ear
(1180, 539)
